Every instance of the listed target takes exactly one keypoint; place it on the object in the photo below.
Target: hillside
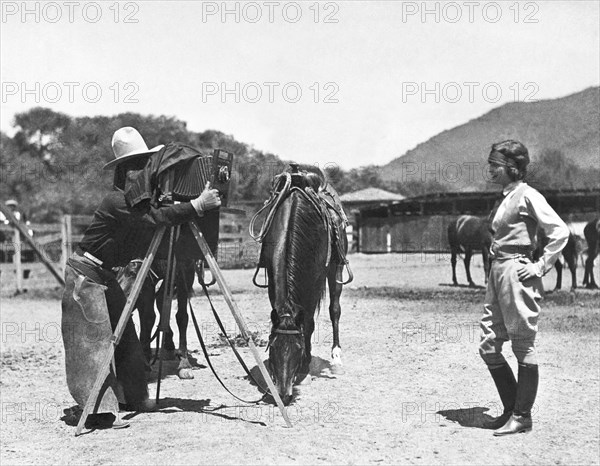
(569, 124)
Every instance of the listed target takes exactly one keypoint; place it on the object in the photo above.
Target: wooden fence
(57, 241)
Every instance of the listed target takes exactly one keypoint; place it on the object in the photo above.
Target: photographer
(93, 300)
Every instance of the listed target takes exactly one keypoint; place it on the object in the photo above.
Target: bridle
(281, 331)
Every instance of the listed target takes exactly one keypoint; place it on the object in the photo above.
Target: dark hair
(517, 152)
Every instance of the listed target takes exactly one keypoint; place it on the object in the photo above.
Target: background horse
(303, 246)
(184, 279)
(569, 253)
(592, 235)
(468, 233)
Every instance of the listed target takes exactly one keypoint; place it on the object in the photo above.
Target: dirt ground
(414, 391)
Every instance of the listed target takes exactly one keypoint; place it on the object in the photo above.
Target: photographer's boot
(520, 421)
(507, 389)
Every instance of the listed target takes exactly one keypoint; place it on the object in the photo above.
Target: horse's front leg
(467, 260)
(453, 262)
(485, 256)
(589, 280)
(559, 268)
(573, 269)
(184, 370)
(335, 311)
(145, 306)
(167, 345)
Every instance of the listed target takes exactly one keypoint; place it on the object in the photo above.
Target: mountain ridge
(457, 156)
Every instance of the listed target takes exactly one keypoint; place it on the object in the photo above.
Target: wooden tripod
(132, 298)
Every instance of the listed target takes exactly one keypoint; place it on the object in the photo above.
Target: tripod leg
(165, 312)
(216, 271)
(125, 316)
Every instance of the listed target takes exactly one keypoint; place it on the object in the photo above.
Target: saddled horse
(468, 233)
(184, 278)
(592, 236)
(303, 246)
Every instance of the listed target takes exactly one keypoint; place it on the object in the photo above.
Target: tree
(355, 179)
(38, 129)
(414, 188)
(553, 170)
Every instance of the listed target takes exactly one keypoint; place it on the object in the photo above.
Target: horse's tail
(453, 241)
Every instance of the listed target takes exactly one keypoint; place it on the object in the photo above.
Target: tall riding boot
(520, 421)
(507, 389)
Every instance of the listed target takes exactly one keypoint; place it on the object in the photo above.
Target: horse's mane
(305, 252)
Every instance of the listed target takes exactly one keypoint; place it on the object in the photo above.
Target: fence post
(67, 240)
(17, 260)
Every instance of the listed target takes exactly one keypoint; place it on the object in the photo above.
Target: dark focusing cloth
(143, 185)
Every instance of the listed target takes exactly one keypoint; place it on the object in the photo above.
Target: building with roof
(364, 199)
(367, 198)
(419, 224)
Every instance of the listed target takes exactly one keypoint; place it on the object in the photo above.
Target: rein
(310, 195)
(272, 203)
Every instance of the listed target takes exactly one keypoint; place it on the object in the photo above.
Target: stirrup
(350, 274)
(201, 273)
(266, 285)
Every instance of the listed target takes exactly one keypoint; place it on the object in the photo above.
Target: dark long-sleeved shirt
(119, 233)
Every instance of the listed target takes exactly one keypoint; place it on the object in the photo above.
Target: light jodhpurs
(511, 312)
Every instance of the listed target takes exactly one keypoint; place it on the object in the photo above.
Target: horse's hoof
(185, 374)
(303, 379)
(184, 363)
(337, 369)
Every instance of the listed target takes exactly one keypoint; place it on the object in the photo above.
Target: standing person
(93, 300)
(14, 207)
(514, 288)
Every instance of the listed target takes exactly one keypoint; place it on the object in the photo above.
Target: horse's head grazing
(286, 353)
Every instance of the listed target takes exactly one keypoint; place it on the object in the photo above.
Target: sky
(348, 82)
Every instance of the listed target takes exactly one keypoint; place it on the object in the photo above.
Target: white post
(69, 236)
(63, 244)
(67, 240)
(17, 260)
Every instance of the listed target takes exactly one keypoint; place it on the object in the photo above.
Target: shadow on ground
(467, 417)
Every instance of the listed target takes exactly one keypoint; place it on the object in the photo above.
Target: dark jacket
(119, 233)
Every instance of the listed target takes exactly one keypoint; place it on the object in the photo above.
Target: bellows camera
(186, 179)
(181, 173)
